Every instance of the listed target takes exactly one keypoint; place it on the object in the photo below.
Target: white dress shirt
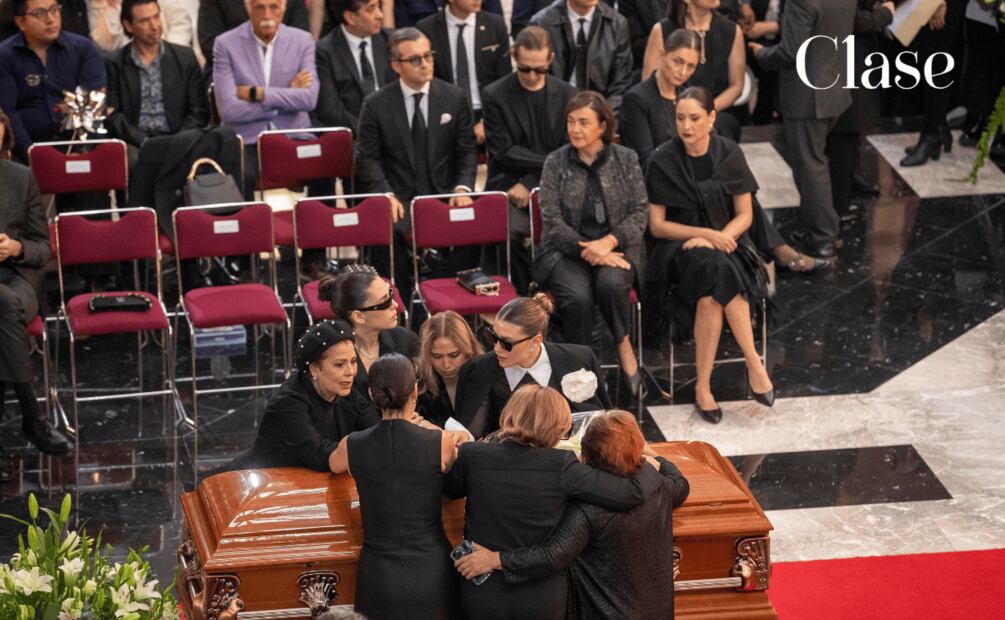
(354, 42)
(574, 18)
(409, 95)
(265, 51)
(469, 44)
(540, 371)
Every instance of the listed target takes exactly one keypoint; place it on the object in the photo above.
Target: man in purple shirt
(37, 65)
(264, 78)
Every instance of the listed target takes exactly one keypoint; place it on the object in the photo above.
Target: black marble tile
(847, 477)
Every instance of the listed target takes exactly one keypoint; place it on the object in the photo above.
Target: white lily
(70, 544)
(71, 609)
(144, 590)
(71, 568)
(29, 581)
(124, 603)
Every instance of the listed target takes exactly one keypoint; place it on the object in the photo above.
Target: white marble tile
(975, 359)
(943, 177)
(774, 177)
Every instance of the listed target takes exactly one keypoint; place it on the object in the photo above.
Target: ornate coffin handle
(317, 590)
(752, 564)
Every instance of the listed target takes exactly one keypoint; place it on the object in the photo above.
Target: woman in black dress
(723, 59)
(404, 569)
(315, 407)
(521, 356)
(648, 120)
(518, 486)
(618, 562)
(447, 344)
(363, 299)
(704, 265)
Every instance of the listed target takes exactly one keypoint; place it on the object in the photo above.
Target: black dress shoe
(47, 439)
(810, 266)
(860, 186)
(930, 147)
(712, 416)
(943, 135)
(765, 398)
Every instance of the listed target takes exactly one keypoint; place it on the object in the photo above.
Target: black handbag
(475, 281)
(129, 302)
(211, 188)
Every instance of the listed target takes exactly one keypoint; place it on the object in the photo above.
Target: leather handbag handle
(201, 161)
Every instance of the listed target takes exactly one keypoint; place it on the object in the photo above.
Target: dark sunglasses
(507, 345)
(384, 305)
(537, 70)
(416, 61)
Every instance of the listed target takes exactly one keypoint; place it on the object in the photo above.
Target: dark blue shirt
(31, 91)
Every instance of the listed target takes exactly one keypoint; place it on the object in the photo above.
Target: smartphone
(464, 548)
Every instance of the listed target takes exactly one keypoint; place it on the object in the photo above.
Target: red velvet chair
(103, 236)
(214, 231)
(317, 225)
(435, 224)
(104, 168)
(290, 158)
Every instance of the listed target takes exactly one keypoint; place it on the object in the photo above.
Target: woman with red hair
(610, 555)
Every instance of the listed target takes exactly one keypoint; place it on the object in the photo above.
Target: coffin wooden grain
(283, 543)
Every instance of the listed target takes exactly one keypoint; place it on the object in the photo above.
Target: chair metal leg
(76, 420)
(195, 408)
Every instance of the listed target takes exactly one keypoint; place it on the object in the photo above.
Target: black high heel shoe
(765, 398)
(712, 416)
(945, 136)
(930, 147)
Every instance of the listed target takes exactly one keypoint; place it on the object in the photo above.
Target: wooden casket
(283, 543)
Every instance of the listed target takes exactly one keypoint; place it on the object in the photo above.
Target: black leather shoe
(47, 439)
(860, 186)
(930, 147)
(765, 398)
(810, 266)
(712, 416)
(944, 136)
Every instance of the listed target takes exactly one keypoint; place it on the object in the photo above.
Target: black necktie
(420, 144)
(581, 44)
(463, 78)
(366, 70)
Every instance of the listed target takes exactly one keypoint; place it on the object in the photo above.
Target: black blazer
(185, 102)
(482, 383)
(384, 153)
(341, 96)
(508, 133)
(437, 409)
(609, 52)
(218, 16)
(398, 340)
(491, 46)
(644, 122)
(299, 429)
(22, 217)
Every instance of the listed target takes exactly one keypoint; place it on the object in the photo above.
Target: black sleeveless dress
(713, 73)
(404, 569)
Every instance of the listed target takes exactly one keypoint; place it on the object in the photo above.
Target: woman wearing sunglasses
(521, 356)
(593, 216)
(363, 299)
(518, 485)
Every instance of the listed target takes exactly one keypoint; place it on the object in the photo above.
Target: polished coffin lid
(270, 517)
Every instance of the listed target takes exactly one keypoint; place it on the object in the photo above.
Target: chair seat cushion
(36, 327)
(166, 245)
(83, 322)
(282, 227)
(320, 310)
(633, 296)
(442, 294)
(237, 304)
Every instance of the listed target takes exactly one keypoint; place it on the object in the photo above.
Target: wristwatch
(253, 92)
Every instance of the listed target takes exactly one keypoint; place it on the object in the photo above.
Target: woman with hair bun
(366, 301)
(399, 468)
(447, 344)
(520, 356)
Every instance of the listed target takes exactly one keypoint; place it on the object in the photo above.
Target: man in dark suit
(525, 117)
(810, 113)
(415, 138)
(352, 61)
(24, 251)
(218, 16)
(155, 87)
(593, 50)
(473, 50)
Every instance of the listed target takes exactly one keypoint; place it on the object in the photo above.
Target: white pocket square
(445, 118)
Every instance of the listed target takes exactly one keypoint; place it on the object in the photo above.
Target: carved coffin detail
(677, 555)
(223, 591)
(752, 562)
(317, 590)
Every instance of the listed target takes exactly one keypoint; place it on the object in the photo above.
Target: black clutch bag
(130, 302)
(477, 282)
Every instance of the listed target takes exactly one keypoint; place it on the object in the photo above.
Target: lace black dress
(404, 569)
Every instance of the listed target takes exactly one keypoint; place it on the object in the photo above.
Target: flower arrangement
(997, 120)
(62, 575)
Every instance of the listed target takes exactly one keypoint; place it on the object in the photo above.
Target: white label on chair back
(465, 214)
(345, 219)
(308, 150)
(226, 226)
(78, 166)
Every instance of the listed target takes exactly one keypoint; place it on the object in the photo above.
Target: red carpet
(969, 584)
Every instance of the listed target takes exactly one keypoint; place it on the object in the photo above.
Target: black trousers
(578, 286)
(18, 306)
(842, 155)
(931, 42)
(519, 239)
(806, 143)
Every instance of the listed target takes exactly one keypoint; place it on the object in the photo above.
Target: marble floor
(885, 437)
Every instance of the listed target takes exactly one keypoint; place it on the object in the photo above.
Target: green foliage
(996, 122)
(63, 575)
